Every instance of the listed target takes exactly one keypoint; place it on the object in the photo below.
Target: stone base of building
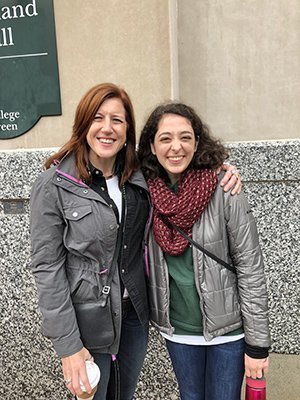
(30, 369)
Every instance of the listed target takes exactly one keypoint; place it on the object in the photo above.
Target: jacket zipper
(197, 283)
(123, 223)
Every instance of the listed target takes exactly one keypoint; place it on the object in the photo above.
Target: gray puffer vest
(227, 229)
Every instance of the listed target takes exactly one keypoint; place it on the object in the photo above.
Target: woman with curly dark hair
(210, 153)
(209, 304)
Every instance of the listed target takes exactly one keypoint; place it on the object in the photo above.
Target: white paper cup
(93, 373)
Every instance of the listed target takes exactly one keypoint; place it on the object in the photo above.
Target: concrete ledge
(270, 161)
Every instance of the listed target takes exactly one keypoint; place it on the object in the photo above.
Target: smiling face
(174, 145)
(107, 134)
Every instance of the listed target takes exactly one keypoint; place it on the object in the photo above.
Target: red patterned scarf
(183, 208)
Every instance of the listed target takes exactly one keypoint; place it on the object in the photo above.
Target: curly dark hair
(210, 153)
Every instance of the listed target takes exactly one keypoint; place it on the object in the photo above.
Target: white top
(200, 341)
(115, 193)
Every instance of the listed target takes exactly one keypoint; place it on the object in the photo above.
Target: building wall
(120, 41)
(239, 65)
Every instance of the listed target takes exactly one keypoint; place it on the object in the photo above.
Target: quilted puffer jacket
(227, 229)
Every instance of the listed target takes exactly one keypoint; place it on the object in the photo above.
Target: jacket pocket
(85, 291)
(78, 212)
(80, 225)
(222, 309)
(85, 282)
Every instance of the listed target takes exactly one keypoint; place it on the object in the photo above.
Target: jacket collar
(137, 178)
(66, 168)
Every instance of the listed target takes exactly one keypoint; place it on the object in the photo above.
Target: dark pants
(132, 351)
(208, 372)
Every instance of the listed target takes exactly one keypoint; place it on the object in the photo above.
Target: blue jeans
(208, 372)
(132, 351)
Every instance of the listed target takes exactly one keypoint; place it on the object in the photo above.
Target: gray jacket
(227, 229)
(73, 235)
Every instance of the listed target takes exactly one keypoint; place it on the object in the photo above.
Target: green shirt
(185, 312)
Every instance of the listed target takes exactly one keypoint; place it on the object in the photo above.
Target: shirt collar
(93, 171)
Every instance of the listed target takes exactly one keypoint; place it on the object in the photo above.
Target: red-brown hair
(84, 116)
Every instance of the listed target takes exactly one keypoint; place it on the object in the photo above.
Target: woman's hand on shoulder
(74, 371)
(231, 180)
(256, 367)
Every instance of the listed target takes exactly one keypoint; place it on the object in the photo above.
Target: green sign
(29, 82)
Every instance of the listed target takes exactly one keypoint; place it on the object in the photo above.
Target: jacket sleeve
(48, 266)
(247, 257)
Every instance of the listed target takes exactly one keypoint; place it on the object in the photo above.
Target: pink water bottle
(256, 389)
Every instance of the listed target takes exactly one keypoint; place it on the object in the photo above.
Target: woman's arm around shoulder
(231, 179)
